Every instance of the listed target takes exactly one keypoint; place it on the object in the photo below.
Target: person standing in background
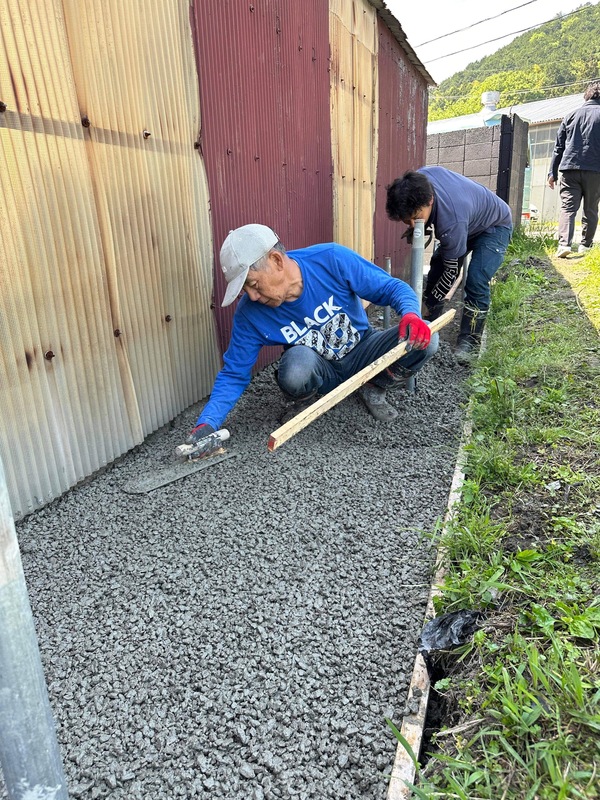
(577, 155)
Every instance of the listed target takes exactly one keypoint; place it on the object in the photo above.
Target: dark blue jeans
(487, 254)
(302, 372)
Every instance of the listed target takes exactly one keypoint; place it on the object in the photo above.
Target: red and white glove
(200, 432)
(416, 330)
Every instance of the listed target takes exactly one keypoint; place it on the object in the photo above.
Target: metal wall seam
(353, 27)
(402, 141)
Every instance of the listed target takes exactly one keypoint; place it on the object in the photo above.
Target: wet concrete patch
(244, 632)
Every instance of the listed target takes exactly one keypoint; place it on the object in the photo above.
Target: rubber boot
(469, 337)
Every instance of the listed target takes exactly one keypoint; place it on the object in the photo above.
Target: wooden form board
(313, 412)
(404, 772)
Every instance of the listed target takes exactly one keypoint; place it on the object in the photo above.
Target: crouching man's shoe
(295, 407)
(374, 399)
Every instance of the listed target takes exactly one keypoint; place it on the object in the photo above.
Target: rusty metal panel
(354, 121)
(102, 231)
(264, 95)
(402, 141)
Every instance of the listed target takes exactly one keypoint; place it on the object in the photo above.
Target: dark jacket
(578, 140)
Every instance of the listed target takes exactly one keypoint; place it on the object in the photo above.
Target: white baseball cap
(242, 248)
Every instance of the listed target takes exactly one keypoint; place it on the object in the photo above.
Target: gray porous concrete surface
(245, 632)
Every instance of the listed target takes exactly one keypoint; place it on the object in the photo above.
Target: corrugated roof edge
(534, 112)
(396, 29)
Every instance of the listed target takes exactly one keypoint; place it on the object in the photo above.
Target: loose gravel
(244, 632)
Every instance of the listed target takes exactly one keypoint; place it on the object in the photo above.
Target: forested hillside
(556, 59)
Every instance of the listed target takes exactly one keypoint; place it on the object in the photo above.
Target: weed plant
(524, 547)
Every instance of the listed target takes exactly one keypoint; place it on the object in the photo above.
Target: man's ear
(277, 260)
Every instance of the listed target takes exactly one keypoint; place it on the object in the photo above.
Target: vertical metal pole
(416, 274)
(29, 753)
(386, 310)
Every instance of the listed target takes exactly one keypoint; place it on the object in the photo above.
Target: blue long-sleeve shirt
(328, 317)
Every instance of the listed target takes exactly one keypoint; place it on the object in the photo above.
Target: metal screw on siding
(117, 332)
(196, 145)
(168, 318)
(49, 355)
(229, 152)
(146, 134)
(251, 8)
(257, 158)
(2, 106)
(85, 121)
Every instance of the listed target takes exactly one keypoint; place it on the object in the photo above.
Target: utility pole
(417, 255)
(29, 753)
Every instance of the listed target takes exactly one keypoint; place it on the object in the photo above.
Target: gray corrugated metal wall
(107, 251)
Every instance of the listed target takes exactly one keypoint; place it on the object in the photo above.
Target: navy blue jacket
(461, 210)
(578, 140)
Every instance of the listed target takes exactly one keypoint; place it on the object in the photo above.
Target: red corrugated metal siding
(402, 141)
(265, 139)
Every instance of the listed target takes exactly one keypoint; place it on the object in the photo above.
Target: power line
(488, 19)
(506, 35)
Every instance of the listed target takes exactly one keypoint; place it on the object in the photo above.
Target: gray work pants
(576, 184)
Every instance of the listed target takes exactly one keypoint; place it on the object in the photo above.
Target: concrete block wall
(473, 153)
(519, 162)
(494, 156)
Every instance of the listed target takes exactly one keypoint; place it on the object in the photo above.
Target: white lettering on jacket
(335, 336)
(322, 314)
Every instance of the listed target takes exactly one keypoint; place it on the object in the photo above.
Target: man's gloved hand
(199, 432)
(408, 235)
(416, 330)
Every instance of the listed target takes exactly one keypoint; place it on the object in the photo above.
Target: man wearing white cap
(309, 301)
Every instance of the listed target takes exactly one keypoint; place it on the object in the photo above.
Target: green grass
(524, 546)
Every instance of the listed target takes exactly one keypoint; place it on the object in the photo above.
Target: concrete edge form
(403, 771)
